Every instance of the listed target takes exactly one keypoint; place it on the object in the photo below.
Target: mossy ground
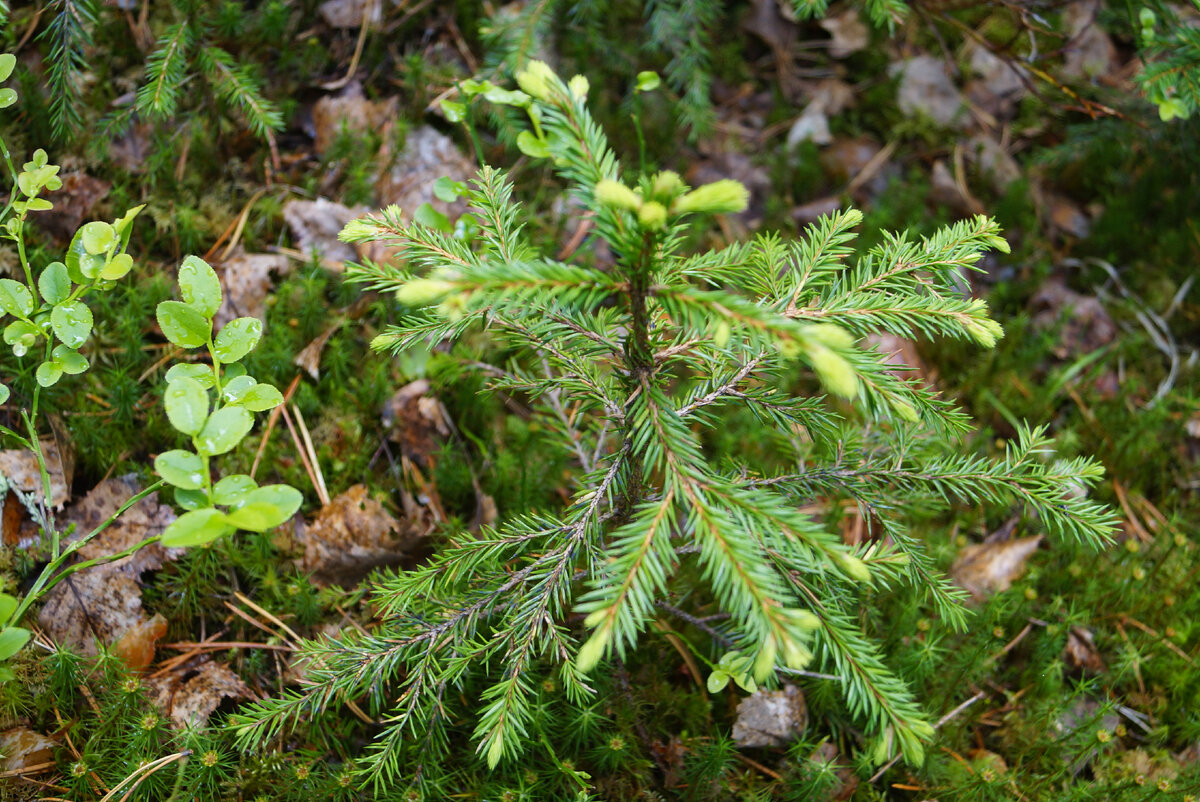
(1041, 729)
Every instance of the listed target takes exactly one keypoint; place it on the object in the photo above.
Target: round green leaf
(186, 401)
(97, 237)
(48, 374)
(648, 81)
(454, 112)
(191, 370)
(223, 430)
(11, 641)
(196, 528)
(235, 388)
(122, 224)
(261, 397)
(117, 268)
(265, 508)
(71, 361)
(54, 284)
(7, 62)
(231, 489)
(531, 146)
(180, 468)
(21, 335)
(7, 97)
(72, 323)
(82, 266)
(191, 499)
(199, 286)
(4, 393)
(8, 604)
(183, 325)
(237, 338)
(15, 298)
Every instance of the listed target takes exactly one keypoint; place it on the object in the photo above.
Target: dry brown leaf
(416, 421)
(309, 357)
(849, 33)
(770, 718)
(349, 13)
(246, 280)
(1090, 53)
(351, 537)
(1081, 651)
(73, 203)
(926, 89)
(812, 124)
(998, 85)
(427, 156)
(104, 602)
(315, 226)
(814, 210)
(348, 110)
(188, 695)
(993, 160)
(986, 568)
(1083, 322)
(20, 467)
(22, 748)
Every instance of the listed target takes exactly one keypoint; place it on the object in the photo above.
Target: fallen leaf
(188, 695)
(427, 156)
(315, 226)
(1082, 321)
(1090, 53)
(129, 150)
(1081, 652)
(350, 537)
(814, 210)
(246, 279)
(770, 718)
(73, 204)
(926, 90)
(20, 468)
(998, 84)
(416, 421)
(309, 357)
(349, 111)
(811, 124)
(986, 568)
(849, 33)
(349, 13)
(1067, 216)
(104, 602)
(991, 159)
(22, 748)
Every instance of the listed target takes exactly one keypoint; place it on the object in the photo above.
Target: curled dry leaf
(416, 421)
(315, 226)
(104, 602)
(350, 13)
(351, 537)
(188, 695)
(20, 467)
(1090, 53)
(22, 748)
(427, 156)
(246, 280)
(770, 718)
(849, 33)
(349, 111)
(986, 568)
(1081, 651)
(926, 89)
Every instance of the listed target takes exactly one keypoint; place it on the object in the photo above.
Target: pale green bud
(592, 651)
(613, 193)
(595, 617)
(424, 291)
(922, 729)
(667, 184)
(578, 87)
(830, 334)
(652, 215)
(536, 80)
(905, 410)
(359, 230)
(796, 656)
(834, 371)
(984, 331)
(721, 335)
(764, 662)
(495, 752)
(790, 349)
(718, 197)
(853, 567)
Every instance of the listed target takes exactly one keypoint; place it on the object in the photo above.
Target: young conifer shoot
(632, 362)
